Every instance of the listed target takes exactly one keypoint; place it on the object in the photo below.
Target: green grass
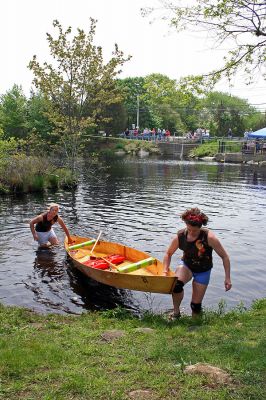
(65, 357)
(208, 149)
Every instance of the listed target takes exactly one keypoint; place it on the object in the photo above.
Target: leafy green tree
(79, 85)
(223, 111)
(37, 116)
(13, 113)
(161, 105)
(239, 23)
(162, 99)
(7, 146)
(134, 91)
(190, 111)
(255, 120)
(117, 119)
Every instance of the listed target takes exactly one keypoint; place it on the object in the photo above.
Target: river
(137, 202)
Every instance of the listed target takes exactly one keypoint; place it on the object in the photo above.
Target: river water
(137, 202)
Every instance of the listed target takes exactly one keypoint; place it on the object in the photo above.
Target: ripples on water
(138, 203)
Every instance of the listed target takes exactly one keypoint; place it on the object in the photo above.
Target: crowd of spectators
(199, 133)
(254, 146)
(147, 134)
(163, 134)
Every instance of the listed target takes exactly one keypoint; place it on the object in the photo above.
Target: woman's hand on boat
(227, 284)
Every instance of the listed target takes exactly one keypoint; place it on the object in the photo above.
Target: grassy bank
(211, 148)
(20, 173)
(83, 357)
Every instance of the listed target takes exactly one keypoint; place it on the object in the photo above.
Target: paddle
(136, 265)
(79, 245)
(87, 243)
(109, 262)
(96, 242)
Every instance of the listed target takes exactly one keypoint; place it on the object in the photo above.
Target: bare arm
(218, 248)
(33, 222)
(63, 226)
(169, 252)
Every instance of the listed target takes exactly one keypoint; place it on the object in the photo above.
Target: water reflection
(60, 286)
(47, 266)
(97, 296)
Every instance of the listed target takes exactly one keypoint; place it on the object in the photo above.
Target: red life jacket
(99, 264)
(102, 264)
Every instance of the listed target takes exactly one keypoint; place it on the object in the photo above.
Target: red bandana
(194, 218)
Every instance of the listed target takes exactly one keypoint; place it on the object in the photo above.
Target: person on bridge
(197, 244)
(41, 227)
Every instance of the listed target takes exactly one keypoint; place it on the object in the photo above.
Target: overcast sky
(154, 48)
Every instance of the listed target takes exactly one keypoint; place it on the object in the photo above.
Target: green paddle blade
(137, 265)
(79, 245)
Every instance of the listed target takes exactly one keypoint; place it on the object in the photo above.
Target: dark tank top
(197, 255)
(45, 225)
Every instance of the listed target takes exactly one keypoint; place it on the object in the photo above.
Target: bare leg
(45, 245)
(54, 241)
(183, 274)
(198, 292)
(177, 298)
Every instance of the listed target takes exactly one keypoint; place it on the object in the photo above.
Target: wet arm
(169, 252)
(63, 226)
(218, 248)
(33, 222)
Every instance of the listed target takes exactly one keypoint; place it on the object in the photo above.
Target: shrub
(53, 181)
(66, 179)
(21, 174)
(205, 150)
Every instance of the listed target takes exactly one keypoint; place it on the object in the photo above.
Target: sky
(154, 47)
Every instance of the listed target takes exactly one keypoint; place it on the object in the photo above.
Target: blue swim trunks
(199, 277)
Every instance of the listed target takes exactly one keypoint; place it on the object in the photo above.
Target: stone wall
(176, 149)
(239, 157)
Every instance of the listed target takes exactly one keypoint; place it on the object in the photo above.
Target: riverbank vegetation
(22, 172)
(212, 147)
(114, 355)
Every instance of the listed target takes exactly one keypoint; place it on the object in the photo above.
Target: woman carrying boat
(41, 227)
(197, 244)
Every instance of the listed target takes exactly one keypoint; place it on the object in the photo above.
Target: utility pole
(137, 112)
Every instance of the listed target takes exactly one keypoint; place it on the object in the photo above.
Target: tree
(37, 116)
(222, 111)
(133, 90)
(162, 98)
(238, 22)
(161, 105)
(13, 113)
(118, 119)
(78, 85)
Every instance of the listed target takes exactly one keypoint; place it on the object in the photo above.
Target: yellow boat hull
(147, 279)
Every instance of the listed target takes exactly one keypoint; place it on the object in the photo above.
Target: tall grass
(20, 173)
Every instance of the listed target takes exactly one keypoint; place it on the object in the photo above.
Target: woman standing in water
(197, 244)
(41, 227)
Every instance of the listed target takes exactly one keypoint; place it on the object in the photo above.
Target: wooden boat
(138, 271)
